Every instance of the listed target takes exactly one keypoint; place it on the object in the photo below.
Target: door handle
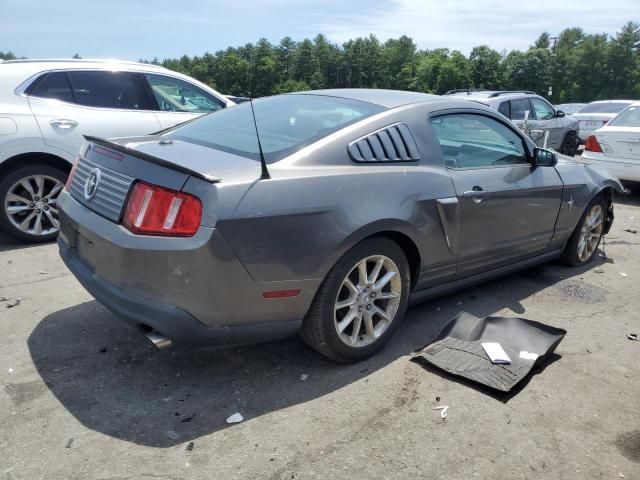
(63, 123)
(476, 194)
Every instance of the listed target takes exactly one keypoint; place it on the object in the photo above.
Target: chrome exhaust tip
(160, 341)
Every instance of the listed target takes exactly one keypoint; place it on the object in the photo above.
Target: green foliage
(579, 66)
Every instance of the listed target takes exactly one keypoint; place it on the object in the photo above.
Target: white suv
(46, 106)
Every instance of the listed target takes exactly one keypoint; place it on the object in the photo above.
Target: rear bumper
(193, 290)
(621, 168)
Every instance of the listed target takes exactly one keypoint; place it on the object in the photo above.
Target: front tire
(28, 202)
(583, 243)
(360, 303)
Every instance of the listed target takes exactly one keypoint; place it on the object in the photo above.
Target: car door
(175, 100)
(507, 207)
(544, 118)
(70, 104)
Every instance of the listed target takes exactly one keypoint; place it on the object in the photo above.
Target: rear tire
(28, 202)
(350, 319)
(569, 144)
(583, 243)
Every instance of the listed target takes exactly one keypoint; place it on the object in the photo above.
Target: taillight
(67, 186)
(154, 210)
(592, 145)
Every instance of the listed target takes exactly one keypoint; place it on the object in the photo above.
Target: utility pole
(553, 66)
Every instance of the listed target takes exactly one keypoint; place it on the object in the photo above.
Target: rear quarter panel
(320, 204)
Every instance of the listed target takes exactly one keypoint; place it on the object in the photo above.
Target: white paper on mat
(496, 353)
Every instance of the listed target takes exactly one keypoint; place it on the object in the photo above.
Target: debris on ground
(622, 274)
(103, 350)
(10, 371)
(187, 419)
(12, 303)
(235, 418)
(69, 443)
(43, 272)
(598, 270)
(443, 410)
(173, 435)
(631, 230)
(189, 447)
(632, 336)
(303, 377)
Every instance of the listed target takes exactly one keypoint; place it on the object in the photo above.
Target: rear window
(52, 85)
(613, 107)
(286, 124)
(627, 118)
(106, 90)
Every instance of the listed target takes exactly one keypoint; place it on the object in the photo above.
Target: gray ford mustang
(324, 213)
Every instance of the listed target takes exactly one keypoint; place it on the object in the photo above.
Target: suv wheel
(569, 144)
(29, 202)
(360, 303)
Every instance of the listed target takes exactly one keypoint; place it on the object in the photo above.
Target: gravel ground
(85, 396)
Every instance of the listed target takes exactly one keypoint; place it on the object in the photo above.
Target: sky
(170, 28)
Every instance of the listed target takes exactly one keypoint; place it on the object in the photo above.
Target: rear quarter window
(53, 85)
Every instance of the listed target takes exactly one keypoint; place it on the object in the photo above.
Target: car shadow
(113, 381)
(8, 243)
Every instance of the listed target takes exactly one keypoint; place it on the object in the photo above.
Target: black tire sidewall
(367, 248)
(569, 144)
(8, 181)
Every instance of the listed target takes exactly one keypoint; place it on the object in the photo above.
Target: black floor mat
(457, 349)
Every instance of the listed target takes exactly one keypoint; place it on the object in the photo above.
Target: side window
(52, 85)
(476, 141)
(175, 95)
(504, 109)
(543, 110)
(519, 107)
(106, 89)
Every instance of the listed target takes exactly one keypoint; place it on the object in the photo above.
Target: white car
(617, 145)
(46, 106)
(596, 114)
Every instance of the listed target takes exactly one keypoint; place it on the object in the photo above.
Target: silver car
(326, 213)
(563, 130)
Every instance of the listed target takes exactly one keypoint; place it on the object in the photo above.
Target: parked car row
(47, 106)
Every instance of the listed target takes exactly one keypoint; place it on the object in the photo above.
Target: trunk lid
(620, 143)
(107, 169)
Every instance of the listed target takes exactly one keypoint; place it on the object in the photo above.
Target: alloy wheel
(590, 233)
(367, 301)
(31, 204)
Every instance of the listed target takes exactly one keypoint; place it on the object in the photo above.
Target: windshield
(613, 107)
(627, 118)
(286, 124)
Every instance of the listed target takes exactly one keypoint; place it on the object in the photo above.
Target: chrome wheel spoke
(387, 295)
(368, 325)
(12, 210)
(375, 272)
(39, 186)
(355, 333)
(381, 312)
(55, 191)
(362, 273)
(12, 197)
(26, 184)
(346, 321)
(348, 302)
(24, 225)
(384, 280)
(54, 221)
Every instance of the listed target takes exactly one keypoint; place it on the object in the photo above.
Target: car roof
(33, 66)
(612, 101)
(384, 98)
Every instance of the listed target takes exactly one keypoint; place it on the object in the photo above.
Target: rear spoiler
(150, 158)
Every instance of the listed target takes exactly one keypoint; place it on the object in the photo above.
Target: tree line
(579, 67)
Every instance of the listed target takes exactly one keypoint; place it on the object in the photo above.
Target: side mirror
(560, 114)
(544, 158)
